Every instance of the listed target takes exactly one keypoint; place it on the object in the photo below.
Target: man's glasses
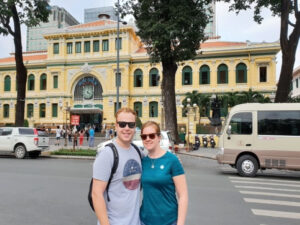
(123, 124)
(151, 136)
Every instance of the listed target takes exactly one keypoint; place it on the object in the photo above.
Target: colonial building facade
(77, 75)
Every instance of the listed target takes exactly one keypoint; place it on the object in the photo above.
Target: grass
(77, 152)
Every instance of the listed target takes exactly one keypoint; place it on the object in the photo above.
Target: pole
(188, 129)
(118, 55)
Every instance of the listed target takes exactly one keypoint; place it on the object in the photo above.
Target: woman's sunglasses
(151, 136)
(123, 124)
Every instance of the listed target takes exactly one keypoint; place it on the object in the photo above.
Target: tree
(288, 42)
(172, 32)
(14, 13)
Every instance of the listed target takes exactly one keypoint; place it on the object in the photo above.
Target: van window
(26, 131)
(279, 123)
(5, 131)
(241, 123)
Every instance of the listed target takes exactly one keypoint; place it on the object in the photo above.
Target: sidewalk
(209, 153)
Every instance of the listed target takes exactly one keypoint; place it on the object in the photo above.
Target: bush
(26, 123)
(77, 152)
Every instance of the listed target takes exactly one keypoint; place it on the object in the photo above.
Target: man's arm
(99, 202)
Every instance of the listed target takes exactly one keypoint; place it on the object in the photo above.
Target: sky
(230, 27)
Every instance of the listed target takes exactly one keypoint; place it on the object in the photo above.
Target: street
(54, 191)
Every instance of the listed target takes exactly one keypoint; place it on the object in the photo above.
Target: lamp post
(188, 109)
(118, 56)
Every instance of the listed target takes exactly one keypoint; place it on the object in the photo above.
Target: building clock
(88, 92)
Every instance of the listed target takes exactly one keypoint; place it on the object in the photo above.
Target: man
(92, 135)
(124, 189)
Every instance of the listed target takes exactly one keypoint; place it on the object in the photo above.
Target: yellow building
(77, 75)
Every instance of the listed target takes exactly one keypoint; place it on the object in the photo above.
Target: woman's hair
(125, 110)
(149, 124)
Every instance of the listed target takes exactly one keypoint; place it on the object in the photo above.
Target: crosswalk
(263, 194)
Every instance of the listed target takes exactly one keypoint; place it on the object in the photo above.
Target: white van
(261, 136)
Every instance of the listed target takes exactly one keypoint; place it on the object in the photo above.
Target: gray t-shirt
(124, 189)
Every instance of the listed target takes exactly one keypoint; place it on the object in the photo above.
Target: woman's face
(149, 143)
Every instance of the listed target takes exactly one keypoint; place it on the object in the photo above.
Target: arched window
(241, 73)
(153, 77)
(30, 82)
(187, 76)
(6, 110)
(138, 78)
(42, 110)
(7, 83)
(43, 82)
(204, 75)
(222, 74)
(29, 110)
(153, 109)
(138, 108)
(88, 88)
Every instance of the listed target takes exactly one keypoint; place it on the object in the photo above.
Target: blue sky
(230, 27)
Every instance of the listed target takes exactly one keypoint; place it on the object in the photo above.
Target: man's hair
(151, 124)
(125, 110)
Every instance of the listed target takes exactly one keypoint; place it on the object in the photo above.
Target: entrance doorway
(87, 120)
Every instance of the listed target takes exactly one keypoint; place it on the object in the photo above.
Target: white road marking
(264, 183)
(262, 179)
(272, 202)
(269, 194)
(279, 214)
(267, 188)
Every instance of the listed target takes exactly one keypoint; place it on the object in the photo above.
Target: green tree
(290, 21)
(172, 32)
(14, 13)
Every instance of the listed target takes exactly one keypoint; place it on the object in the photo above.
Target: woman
(81, 136)
(162, 177)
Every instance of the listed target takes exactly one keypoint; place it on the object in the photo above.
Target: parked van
(261, 136)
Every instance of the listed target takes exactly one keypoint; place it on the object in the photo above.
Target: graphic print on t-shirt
(132, 174)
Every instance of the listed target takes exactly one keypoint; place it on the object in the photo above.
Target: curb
(198, 156)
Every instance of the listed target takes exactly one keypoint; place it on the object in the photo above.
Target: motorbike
(212, 141)
(196, 146)
(204, 141)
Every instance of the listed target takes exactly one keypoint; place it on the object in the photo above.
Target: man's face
(125, 134)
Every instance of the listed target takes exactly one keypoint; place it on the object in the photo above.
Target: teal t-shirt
(159, 204)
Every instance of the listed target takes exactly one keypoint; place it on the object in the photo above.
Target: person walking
(81, 136)
(58, 135)
(122, 208)
(87, 134)
(162, 179)
(92, 136)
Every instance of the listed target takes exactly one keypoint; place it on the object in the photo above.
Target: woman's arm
(182, 193)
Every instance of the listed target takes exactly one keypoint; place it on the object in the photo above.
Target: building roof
(98, 23)
(296, 72)
(25, 58)
(221, 44)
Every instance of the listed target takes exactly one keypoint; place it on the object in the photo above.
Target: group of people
(159, 175)
(73, 135)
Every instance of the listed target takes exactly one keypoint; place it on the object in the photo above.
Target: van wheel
(20, 152)
(247, 166)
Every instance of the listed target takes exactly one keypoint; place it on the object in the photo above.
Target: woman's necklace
(152, 162)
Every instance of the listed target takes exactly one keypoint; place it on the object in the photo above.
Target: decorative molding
(110, 101)
(71, 74)
(102, 72)
(86, 68)
(145, 101)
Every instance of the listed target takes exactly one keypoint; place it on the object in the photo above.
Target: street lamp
(188, 108)
(118, 74)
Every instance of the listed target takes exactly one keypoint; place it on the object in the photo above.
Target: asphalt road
(54, 192)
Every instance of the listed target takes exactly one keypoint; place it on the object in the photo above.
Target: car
(166, 142)
(23, 141)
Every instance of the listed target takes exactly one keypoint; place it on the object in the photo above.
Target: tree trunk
(21, 70)
(288, 46)
(169, 101)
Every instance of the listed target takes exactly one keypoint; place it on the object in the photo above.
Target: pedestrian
(124, 189)
(162, 180)
(58, 135)
(81, 136)
(111, 133)
(75, 136)
(87, 134)
(92, 136)
(69, 134)
(107, 134)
